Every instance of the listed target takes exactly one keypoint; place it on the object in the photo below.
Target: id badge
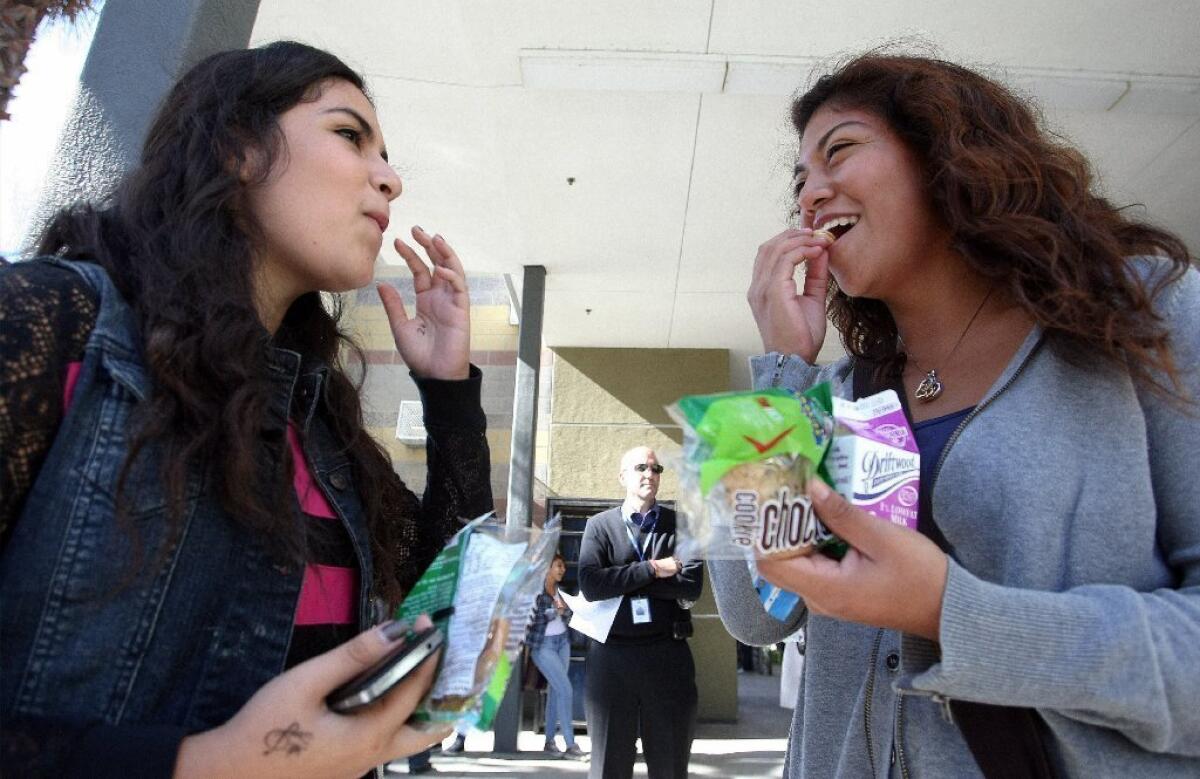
(640, 609)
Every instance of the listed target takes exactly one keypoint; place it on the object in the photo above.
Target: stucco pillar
(519, 513)
(139, 48)
(525, 399)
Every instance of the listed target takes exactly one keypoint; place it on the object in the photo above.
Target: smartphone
(373, 683)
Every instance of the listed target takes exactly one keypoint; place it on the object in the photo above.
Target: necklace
(930, 386)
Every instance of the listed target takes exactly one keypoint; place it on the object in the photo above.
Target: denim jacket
(183, 645)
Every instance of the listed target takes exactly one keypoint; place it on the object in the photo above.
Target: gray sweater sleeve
(1102, 654)
(737, 601)
(740, 609)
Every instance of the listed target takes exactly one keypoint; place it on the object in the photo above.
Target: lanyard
(640, 552)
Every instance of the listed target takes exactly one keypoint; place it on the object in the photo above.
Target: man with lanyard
(641, 681)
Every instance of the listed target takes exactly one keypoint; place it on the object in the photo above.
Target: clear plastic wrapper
(746, 461)
(480, 592)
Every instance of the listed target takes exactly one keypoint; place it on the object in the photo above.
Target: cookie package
(747, 459)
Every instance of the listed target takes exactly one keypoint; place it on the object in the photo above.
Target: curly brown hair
(1021, 211)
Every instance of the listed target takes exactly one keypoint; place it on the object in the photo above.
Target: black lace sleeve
(459, 485)
(46, 315)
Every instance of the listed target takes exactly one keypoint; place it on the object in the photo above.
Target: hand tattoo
(290, 740)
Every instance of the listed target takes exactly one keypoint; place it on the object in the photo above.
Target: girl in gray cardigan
(1045, 621)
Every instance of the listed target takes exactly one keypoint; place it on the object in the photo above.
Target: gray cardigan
(1071, 499)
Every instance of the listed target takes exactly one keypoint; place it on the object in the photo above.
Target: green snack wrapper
(747, 458)
(743, 427)
(479, 591)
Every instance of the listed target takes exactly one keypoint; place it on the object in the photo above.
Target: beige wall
(606, 401)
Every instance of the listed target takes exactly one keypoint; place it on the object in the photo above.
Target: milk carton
(873, 458)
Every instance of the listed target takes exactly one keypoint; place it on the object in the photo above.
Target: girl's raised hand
(791, 321)
(435, 342)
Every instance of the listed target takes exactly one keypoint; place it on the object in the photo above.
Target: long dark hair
(1021, 212)
(175, 240)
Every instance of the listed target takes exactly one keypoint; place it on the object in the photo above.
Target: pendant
(929, 388)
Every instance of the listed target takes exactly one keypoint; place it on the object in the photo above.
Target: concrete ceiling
(640, 150)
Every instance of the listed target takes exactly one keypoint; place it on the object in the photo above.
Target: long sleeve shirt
(610, 566)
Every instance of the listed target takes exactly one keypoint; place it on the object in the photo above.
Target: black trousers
(745, 656)
(647, 691)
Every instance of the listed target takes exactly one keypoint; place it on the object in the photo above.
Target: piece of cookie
(768, 508)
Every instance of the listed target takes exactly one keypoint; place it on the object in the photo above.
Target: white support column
(139, 49)
(519, 513)
(525, 399)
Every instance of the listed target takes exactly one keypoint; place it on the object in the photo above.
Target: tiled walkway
(751, 747)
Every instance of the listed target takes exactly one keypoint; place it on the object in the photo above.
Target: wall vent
(410, 423)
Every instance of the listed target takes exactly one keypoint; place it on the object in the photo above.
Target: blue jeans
(553, 658)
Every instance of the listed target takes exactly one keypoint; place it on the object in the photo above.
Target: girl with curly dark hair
(1046, 618)
(195, 525)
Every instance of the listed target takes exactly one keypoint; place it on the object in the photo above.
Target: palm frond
(19, 20)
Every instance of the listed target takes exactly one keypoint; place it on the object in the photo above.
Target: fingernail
(393, 630)
(818, 489)
(418, 227)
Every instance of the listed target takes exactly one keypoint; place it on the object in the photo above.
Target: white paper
(592, 618)
(482, 573)
(789, 675)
